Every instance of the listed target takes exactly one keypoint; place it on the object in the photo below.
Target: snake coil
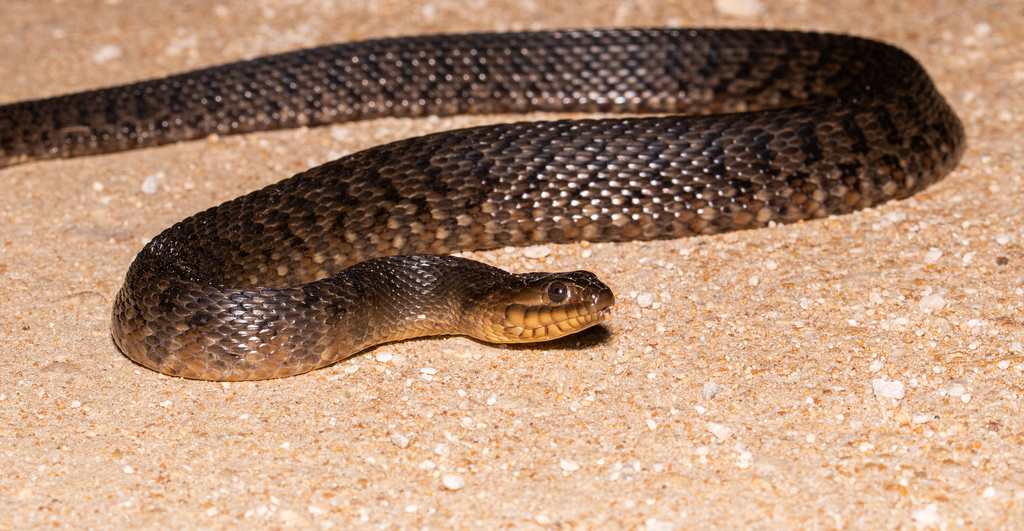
(778, 127)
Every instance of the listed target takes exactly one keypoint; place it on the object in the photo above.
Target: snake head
(534, 307)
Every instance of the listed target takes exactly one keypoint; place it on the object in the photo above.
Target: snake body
(779, 127)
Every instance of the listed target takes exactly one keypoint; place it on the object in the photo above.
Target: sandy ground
(746, 395)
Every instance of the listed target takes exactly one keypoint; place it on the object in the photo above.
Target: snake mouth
(524, 324)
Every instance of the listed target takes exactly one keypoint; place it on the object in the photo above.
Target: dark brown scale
(814, 125)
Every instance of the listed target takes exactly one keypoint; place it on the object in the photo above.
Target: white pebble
(569, 465)
(1005, 364)
(212, 511)
(884, 389)
(316, 511)
(927, 515)
(920, 418)
(721, 431)
(965, 398)
(968, 257)
(875, 366)
(400, 440)
(106, 53)
(152, 183)
(166, 404)
(744, 460)
(932, 256)
(128, 469)
(932, 302)
(652, 425)
(989, 492)
(427, 465)
(645, 300)
(771, 265)
(739, 8)
(653, 524)
(753, 281)
(76, 403)
(711, 390)
(452, 482)
(428, 370)
(536, 251)
(384, 357)
(954, 389)
(1002, 239)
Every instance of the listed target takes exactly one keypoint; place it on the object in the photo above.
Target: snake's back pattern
(762, 126)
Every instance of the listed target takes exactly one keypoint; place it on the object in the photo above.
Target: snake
(718, 130)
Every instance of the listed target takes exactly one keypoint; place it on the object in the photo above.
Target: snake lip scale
(745, 128)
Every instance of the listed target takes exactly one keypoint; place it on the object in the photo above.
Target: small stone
(739, 8)
(569, 465)
(427, 465)
(932, 302)
(771, 265)
(955, 389)
(106, 54)
(212, 511)
(1005, 364)
(744, 460)
(920, 418)
(652, 425)
(152, 183)
(452, 482)
(932, 256)
(721, 431)
(384, 357)
(884, 389)
(710, 390)
(1002, 239)
(653, 524)
(129, 470)
(316, 511)
(753, 281)
(989, 492)
(400, 440)
(927, 515)
(875, 366)
(536, 251)
(645, 300)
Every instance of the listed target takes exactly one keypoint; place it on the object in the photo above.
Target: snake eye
(557, 292)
